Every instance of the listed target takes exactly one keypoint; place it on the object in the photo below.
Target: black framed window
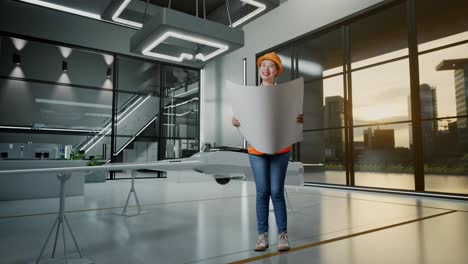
(105, 106)
(180, 109)
(443, 74)
(374, 101)
(62, 97)
(441, 23)
(383, 157)
(444, 71)
(380, 93)
(137, 112)
(374, 39)
(321, 56)
(446, 155)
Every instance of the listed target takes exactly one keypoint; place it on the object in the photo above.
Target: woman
(270, 170)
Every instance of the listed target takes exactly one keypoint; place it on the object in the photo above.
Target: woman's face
(268, 70)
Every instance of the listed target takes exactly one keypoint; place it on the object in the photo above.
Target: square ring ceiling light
(176, 36)
(118, 11)
(260, 8)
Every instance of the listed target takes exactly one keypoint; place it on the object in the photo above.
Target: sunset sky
(380, 94)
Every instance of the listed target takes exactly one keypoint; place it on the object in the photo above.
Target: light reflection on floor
(457, 184)
(214, 223)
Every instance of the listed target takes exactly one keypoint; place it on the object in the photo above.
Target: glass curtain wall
(359, 128)
(180, 109)
(61, 102)
(443, 76)
(320, 63)
(380, 93)
(55, 100)
(137, 113)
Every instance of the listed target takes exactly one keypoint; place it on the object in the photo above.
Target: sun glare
(374, 113)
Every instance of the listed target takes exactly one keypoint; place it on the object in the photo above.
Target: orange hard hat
(274, 58)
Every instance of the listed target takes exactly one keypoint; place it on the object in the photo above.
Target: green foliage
(95, 162)
(92, 162)
(77, 155)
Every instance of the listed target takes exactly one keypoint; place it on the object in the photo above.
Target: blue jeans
(270, 172)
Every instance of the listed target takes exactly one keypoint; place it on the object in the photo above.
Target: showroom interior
(380, 176)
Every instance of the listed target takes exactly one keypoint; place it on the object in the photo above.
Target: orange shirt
(253, 151)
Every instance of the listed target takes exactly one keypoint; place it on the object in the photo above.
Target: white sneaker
(262, 243)
(283, 242)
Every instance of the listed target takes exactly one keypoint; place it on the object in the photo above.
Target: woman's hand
(300, 119)
(235, 122)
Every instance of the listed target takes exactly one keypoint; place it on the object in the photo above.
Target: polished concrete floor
(195, 220)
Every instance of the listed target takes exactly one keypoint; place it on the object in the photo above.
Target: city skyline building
(428, 99)
(379, 138)
(460, 71)
(334, 118)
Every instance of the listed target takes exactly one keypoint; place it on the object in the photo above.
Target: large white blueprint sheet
(267, 114)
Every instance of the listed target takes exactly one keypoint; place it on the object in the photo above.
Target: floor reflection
(434, 182)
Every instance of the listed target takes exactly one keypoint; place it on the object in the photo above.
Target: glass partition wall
(53, 98)
(62, 102)
(385, 103)
(180, 108)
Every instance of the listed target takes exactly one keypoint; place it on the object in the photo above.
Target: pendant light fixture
(118, 7)
(177, 36)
